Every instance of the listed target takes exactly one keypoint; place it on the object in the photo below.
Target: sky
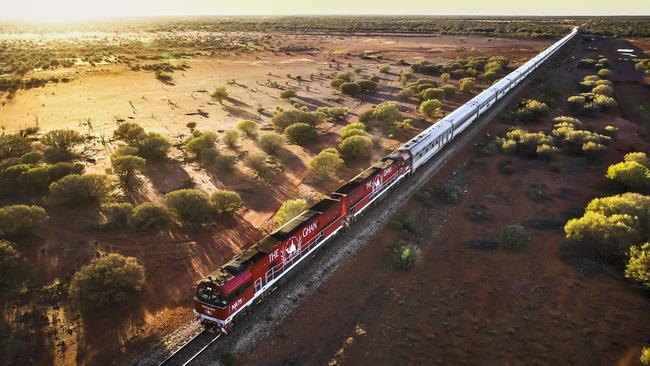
(59, 10)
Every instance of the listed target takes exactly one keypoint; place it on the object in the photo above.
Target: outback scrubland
(137, 157)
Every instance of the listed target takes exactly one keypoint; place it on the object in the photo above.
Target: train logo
(292, 247)
(376, 183)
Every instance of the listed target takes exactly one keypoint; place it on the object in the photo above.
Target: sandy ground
(466, 306)
(93, 102)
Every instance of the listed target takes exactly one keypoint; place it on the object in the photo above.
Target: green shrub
(77, 189)
(154, 146)
(630, 174)
(384, 69)
(117, 214)
(224, 201)
(528, 143)
(604, 102)
(374, 78)
(326, 165)
(150, 216)
(11, 265)
(32, 158)
(355, 147)
(18, 220)
(288, 93)
(353, 129)
(131, 133)
(345, 76)
(284, 119)
(384, 115)
(300, 133)
(248, 127)
(336, 83)
(406, 256)
(9, 183)
(639, 157)
(334, 113)
(513, 237)
(351, 89)
(290, 209)
(257, 162)
(645, 352)
(15, 145)
(608, 236)
(127, 167)
(367, 86)
(406, 93)
(606, 73)
(60, 170)
(604, 90)
(530, 110)
(35, 181)
(106, 280)
(449, 89)
(202, 147)
(429, 107)
(638, 266)
(466, 85)
(220, 94)
(231, 138)
(190, 205)
(59, 144)
(224, 163)
(433, 93)
(271, 142)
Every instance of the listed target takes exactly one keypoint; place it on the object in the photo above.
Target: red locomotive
(225, 293)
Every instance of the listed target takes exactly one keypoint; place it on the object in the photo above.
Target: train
(225, 294)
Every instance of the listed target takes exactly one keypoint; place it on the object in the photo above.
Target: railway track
(191, 349)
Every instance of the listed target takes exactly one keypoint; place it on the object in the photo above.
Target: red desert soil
(45, 330)
(467, 306)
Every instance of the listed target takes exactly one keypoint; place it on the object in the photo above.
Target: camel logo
(291, 248)
(376, 183)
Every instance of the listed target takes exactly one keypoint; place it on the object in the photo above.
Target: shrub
(448, 89)
(645, 356)
(224, 163)
(592, 149)
(433, 93)
(154, 146)
(231, 138)
(16, 144)
(225, 201)
(326, 165)
(639, 157)
(351, 89)
(334, 113)
(20, 220)
(406, 93)
(131, 133)
(638, 266)
(288, 93)
(60, 170)
(530, 110)
(384, 69)
(374, 79)
(367, 86)
(604, 102)
(35, 180)
(248, 127)
(106, 280)
(345, 76)
(406, 256)
(576, 103)
(607, 236)
(429, 107)
(353, 129)
(606, 73)
(59, 144)
(220, 94)
(117, 214)
(257, 162)
(630, 174)
(300, 133)
(513, 237)
(384, 115)
(203, 147)
(466, 85)
(32, 158)
(76, 189)
(284, 119)
(189, 205)
(11, 264)
(271, 142)
(149, 216)
(355, 147)
(528, 143)
(604, 90)
(289, 210)
(126, 167)
(336, 83)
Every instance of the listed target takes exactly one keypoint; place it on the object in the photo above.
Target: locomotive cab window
(209, 297)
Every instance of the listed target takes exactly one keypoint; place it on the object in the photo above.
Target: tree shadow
(237, 102)
(167, 176)
(240, 113)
